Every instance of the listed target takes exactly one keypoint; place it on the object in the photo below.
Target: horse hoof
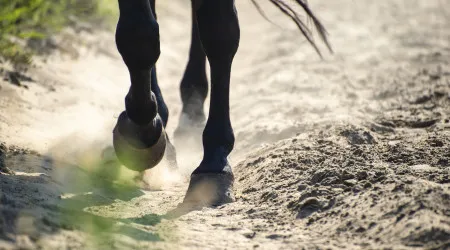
(205, 190)
(134, 157)
(210, 189)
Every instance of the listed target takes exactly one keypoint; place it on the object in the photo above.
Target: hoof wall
(206, 190)
(138, 159)
(210, 189)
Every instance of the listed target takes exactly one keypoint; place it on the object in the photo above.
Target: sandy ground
(347, 152)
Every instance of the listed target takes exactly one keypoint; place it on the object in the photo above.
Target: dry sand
(349, 152)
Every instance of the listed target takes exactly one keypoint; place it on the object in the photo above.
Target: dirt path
(347, 152)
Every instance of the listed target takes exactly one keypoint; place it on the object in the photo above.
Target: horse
(139, 137)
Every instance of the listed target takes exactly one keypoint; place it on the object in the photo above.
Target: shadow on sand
(40, 200)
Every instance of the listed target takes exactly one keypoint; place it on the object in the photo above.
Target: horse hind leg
(194, 85)
(193, 90)
(139, 137)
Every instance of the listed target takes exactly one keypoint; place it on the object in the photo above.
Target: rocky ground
(347, 152)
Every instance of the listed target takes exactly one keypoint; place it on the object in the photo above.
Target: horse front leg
(139, 136)
(163, 110)
(211, 183)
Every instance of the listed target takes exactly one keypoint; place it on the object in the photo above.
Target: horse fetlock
(139, 147)
(216, 148)
(141, 108)
(218, 134)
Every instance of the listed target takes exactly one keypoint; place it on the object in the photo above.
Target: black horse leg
(218, 26)
(163, 111)
(139, 137)
(194, 85)
(162, 107)
(193, 90)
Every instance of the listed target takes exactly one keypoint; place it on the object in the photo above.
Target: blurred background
(26, 26)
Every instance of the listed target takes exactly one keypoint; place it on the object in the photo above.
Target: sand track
(347, 152)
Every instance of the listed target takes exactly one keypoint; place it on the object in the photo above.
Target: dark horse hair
(288, 10)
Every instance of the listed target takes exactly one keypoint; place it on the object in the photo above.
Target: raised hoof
(134, 157)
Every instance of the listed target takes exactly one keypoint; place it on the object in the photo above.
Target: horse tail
(288, 10)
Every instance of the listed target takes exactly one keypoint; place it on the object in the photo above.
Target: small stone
(367, 185)
(250, 235)
(424, 168)
(351, 182)
(250, 211)
(309, 206)
(302, 187)
(362, 175)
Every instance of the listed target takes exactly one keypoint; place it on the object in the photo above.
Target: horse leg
(139, 136)
(193, 90)
(162, 107)
(218, 27)
(163, 111)
(194, 85)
